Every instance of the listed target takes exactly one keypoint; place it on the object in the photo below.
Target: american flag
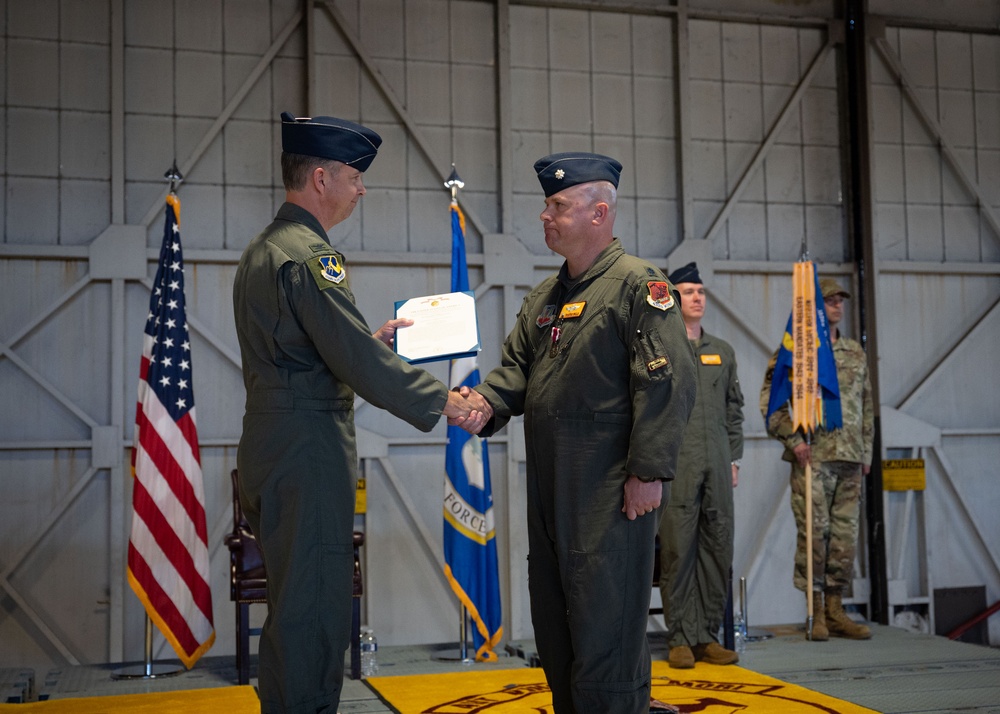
(168, 548)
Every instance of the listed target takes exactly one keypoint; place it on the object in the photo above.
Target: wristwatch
(737, 462)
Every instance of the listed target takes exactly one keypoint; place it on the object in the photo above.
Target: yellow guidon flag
(807, 401)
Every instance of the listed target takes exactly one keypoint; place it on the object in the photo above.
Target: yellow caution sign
(904, 475)
(361, 497)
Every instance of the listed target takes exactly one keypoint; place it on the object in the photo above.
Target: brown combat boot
(714, 653)
(839, 624)
(819, 631)
(681, 657)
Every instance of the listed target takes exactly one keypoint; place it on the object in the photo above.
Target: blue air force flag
(470, 550)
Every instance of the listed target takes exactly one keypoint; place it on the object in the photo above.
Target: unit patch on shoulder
(547, 316)
(659, 295)
(331, 269)
(711, 359)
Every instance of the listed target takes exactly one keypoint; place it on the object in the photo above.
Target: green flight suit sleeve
(661, 400)
(734, 412)
(344, 341)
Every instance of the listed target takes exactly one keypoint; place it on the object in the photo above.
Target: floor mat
(707, 689)
(211, 700)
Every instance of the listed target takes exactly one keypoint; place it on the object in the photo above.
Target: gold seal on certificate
(444, 327)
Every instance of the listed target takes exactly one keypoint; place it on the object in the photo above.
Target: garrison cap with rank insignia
(559, 171)
(685, 274)
(330, 138)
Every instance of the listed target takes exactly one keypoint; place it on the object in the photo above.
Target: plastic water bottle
(739, 633)
(369, 650)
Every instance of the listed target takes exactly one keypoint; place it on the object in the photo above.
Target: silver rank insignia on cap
(560, 173)
(332, 269)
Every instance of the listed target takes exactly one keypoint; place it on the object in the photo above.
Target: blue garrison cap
(685, 274)
(559, 171)
(329, 138)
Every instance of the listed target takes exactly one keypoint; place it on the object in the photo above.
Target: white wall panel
(604, 79)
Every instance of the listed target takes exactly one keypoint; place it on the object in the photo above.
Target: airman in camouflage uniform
(839, 459)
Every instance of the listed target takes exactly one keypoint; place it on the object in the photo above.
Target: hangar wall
(729, 118)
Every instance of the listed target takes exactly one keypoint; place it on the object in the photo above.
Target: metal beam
(682, 105)
(772, 136)
(937, 133)
(957, 346)
(227, 112)
(390, 96)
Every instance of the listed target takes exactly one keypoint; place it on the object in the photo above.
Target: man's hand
(387, 332)
(866, 469)
(641, 497)
(461, 412)
(478, 401)
(803, 453)
(736, 475)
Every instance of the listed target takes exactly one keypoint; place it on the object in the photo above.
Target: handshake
(468, 409)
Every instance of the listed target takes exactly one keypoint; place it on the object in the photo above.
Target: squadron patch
(659, 296)
(331, 269)
(711, 359)
(547, 316)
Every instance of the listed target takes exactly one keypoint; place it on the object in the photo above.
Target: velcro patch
(659, 295)
(572, 309)
(547, 316)
(331, 269)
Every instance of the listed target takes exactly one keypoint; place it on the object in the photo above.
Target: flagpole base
(147, 671)
(756, 634)
(453, 655)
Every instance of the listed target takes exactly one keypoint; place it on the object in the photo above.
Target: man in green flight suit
(840, 459)
(696, 532)
(599, 364)
(306, 350)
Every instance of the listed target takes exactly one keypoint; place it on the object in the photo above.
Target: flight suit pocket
(650, 362)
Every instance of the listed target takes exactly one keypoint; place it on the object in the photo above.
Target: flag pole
(806, 420)
(148, 669)
(454, 183)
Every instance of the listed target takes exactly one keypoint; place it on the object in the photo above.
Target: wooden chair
(248, 585)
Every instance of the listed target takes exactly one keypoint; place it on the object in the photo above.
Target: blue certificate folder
(444, 327)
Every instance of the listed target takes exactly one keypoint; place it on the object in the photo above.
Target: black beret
(329, 138)
(685, 274)
(559, 171)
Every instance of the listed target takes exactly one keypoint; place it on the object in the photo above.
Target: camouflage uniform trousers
(836, 509)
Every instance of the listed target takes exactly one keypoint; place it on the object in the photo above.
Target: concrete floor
(896, 672)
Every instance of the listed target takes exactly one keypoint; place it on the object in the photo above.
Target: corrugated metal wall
(727, 116)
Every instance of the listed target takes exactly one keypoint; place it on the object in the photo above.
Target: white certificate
(444, 327)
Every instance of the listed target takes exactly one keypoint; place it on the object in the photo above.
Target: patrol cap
(559, 171)
(831, 287)
(685, 274)
(329, 138)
